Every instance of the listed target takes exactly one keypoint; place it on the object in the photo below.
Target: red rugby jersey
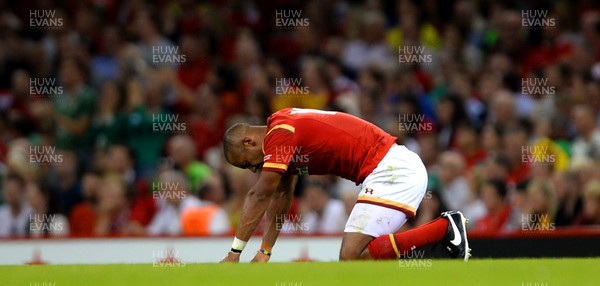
(316, 142)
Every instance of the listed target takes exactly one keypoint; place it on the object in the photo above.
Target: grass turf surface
(520, 272)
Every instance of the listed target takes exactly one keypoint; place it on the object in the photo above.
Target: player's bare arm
(257, 201)
(280, 205)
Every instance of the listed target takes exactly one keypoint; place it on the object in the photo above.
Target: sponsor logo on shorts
(369, 191)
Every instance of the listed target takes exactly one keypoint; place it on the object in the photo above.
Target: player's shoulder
(281, 121)
(279, 114)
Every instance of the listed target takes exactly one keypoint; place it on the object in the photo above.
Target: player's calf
(354, 246)
(449, 229)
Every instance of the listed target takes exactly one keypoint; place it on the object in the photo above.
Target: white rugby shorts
(390, 194)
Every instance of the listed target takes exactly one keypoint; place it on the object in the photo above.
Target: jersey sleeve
(278, 149)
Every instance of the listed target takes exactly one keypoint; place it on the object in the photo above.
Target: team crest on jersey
(302, 170)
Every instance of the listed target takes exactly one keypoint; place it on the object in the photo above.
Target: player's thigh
(374, 220)
(399, 182)
(366, 222)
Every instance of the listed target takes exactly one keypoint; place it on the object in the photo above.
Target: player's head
(242, 146)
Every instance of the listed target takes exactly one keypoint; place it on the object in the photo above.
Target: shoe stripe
(393, 241)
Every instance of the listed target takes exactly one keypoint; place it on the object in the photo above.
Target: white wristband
(238, 244)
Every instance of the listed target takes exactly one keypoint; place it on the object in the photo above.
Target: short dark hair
(17, 179)
(231, 138)
(499, 186)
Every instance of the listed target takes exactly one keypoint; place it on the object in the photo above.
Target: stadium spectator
(591, 205)
(514, 141)
(119, 162)
(140, 108)
(82, 217)
(180, 212)
(493, 194)
(105, 210)
(241, 182)
(517, 198)
(502, 110)
(64, 178)
(146, 25)
(491, 139)
(451, 114)
(45, 219)
(455, 190)
(468, 145)
(104, 65)
(587, 142)
(112, 211)
(73, 108)
(369, 48)
(215, 189)
(105, 125)
(540, 207)
(15, 212)
(569, 197)
(181, 148)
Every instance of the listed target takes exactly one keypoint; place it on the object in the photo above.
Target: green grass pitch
(520, 272)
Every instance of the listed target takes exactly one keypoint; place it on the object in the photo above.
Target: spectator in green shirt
(74, 106)
(183, 151)
(137, 126)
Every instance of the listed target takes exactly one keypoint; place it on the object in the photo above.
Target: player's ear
(247, 141)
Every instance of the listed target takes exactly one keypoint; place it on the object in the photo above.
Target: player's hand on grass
(259, 257)
(231, 257)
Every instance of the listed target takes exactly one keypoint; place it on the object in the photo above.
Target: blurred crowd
(83, 156)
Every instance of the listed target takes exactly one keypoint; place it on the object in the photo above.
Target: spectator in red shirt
(493, 194)
(468, 145)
